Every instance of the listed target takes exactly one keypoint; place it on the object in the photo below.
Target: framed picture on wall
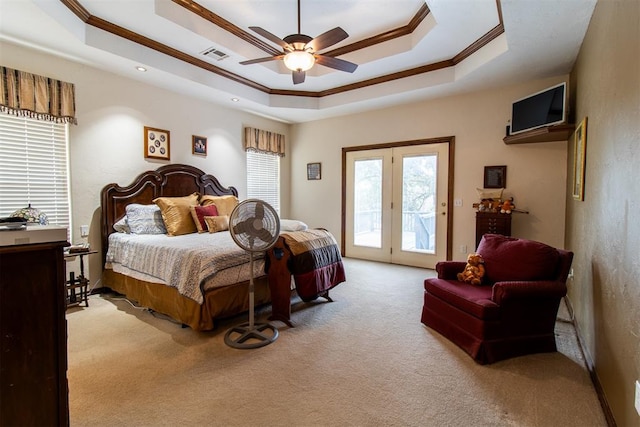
(314, 171)
(579, 157)
(156, 143)
(199, 145)
(495, 177)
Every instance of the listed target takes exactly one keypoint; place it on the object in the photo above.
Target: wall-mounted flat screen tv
(544, 108)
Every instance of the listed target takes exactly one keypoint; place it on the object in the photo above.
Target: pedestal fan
(254, 226)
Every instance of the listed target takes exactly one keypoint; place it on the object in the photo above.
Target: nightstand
(78, 287)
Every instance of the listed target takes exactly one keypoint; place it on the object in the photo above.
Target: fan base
(245, 336)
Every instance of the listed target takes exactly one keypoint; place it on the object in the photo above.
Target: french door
(397, 204)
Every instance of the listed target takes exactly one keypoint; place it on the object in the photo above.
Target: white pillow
(292, 225)
(121, 225)
(146, 219)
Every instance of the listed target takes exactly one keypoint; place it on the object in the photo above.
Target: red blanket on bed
(315, 263)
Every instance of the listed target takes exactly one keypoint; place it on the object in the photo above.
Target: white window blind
(263, 178)
(34, 167)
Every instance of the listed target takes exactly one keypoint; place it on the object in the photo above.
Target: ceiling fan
(300, 52)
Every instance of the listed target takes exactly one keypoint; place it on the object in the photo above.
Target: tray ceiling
(406, 50)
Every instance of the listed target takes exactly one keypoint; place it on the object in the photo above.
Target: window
(34, 167)
(263, 178)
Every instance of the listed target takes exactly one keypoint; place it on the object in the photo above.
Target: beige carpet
(363, 360)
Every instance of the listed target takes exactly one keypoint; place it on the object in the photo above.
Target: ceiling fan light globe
(299, 60)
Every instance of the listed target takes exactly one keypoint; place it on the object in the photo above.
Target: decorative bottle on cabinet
(492, 223)
(33, 327)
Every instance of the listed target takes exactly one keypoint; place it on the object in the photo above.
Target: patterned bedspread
(316, 263)
(192, 263)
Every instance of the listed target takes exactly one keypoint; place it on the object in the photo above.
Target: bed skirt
(218, 303)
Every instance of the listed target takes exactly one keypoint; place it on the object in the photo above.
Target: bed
(163, 285)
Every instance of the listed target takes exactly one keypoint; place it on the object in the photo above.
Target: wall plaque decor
(314, 171)
(495, 177)
(156, 143)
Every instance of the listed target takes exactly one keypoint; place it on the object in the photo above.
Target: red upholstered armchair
(513, 312)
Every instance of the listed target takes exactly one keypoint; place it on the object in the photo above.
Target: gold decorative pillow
(176, 213)
(224, 204)
(217, 223)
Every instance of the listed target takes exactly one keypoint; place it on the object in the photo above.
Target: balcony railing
(418, 228)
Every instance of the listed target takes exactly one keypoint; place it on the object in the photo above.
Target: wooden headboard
(168, 181)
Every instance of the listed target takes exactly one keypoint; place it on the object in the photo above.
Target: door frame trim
(449, 140)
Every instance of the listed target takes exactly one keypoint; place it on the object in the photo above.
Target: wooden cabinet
(492, 223)
(33, 340)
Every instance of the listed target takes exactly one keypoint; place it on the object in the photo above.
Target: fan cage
(250, 232)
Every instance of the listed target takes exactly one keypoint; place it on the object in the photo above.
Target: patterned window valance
(37, 97)
(263, 141)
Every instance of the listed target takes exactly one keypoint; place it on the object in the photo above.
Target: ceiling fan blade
(327, 39)
(298, 77)
(258, 60)
(338, 64)
(267, 35)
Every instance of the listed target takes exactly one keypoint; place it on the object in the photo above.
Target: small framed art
(495, 177)
(579, 157)
(314, 171)
(156, 143)
(199, 145)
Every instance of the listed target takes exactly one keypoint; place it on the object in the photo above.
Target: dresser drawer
(492, 223)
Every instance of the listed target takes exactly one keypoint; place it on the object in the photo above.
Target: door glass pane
(367, 203)
(419, 203)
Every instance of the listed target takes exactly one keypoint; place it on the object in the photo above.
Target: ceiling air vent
(214, 53)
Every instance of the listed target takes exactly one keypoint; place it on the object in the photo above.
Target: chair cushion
(511, 259)
(475, 300)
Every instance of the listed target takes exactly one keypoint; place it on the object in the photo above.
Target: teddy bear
(507, 206)
(474, 270)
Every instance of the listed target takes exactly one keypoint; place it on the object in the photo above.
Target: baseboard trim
(606, 409)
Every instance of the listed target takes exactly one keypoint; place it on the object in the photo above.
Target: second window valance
(263, 141)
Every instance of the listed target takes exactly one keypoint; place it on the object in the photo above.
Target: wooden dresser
(33, 328)
(492, 223)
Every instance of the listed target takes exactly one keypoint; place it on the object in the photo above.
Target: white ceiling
(541, 38)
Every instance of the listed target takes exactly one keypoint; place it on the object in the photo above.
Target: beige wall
(604, 230)
(107, 144)
(536, 173)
